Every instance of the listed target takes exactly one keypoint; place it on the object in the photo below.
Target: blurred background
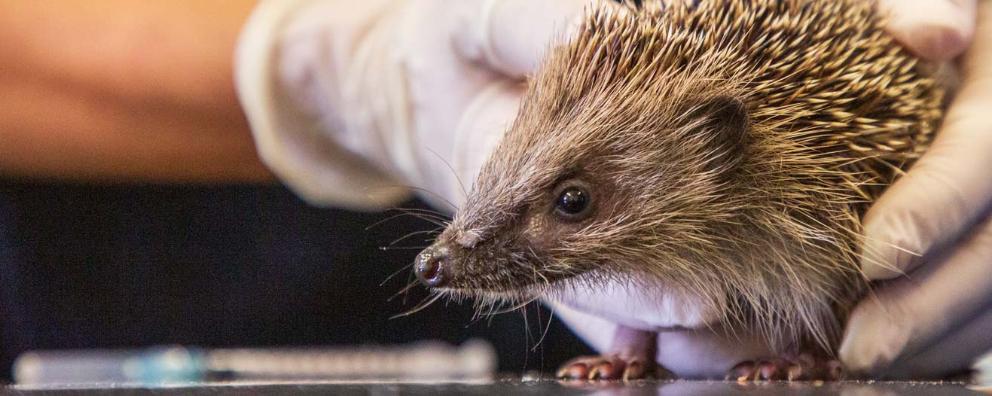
(134, 211)
(84, 266)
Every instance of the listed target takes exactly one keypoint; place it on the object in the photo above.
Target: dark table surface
(504, 388)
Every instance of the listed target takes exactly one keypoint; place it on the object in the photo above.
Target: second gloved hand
(929, 237)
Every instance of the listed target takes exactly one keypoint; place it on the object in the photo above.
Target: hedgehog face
(563, 198)
(510, 243)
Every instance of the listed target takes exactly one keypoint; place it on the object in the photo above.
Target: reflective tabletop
(515, 387)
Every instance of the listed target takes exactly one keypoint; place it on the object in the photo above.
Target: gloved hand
(355, 103)
(930, 235)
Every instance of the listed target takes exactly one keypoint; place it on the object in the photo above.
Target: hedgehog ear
(726, 121)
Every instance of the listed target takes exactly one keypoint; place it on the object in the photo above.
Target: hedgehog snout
(433, 266)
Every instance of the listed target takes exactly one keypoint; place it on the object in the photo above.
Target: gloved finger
(933, 29)
(512, 36)
(952, 354)
(905, 315)
(949, 186)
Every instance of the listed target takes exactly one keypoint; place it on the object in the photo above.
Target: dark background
(128, 266)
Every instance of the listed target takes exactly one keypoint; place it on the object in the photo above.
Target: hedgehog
(713, 158)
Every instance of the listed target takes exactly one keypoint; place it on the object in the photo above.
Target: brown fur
(731, 149)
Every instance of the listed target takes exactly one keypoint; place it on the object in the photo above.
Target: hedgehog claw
(804, 367)
(611, 368)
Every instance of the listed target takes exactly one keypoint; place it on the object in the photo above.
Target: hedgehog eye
(573, 201)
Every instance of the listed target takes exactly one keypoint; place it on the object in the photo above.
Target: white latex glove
(355, 103)
(930, 234)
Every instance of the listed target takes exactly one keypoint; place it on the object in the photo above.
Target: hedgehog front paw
(631, 357)
(804, 367)
(608, 367)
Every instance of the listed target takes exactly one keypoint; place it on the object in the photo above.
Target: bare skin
(123, 91)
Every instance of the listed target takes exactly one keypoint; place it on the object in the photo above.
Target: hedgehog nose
(433, 267)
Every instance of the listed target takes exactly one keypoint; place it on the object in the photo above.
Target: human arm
(119, 91)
